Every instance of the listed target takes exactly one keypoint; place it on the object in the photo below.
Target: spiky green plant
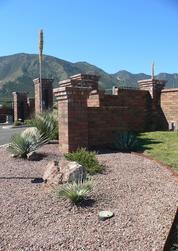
(87, 159)
(76, 192)
(46, 123)
(22, 144)
(125, 141)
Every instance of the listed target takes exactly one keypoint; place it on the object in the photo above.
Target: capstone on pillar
(155, 116)
(154, 87)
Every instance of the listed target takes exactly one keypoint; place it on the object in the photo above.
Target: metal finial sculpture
(40, 63)
(153, 70)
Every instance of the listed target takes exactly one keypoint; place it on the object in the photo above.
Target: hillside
(18, 71)
(126, 78)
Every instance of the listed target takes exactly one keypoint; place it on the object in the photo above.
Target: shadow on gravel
(33, 179)
(87, 203)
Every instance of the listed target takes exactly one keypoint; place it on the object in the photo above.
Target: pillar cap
(153, 81)
(44, 80)
(81, 80)
(66, 92)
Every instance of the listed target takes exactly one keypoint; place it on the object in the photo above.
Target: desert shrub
(87, 159)
(125, 141)
(24, 143)
(76, 192)
(46, 123)
(18, 123)
(27, 122)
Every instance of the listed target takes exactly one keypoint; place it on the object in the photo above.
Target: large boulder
(64, 171)
(72, 171)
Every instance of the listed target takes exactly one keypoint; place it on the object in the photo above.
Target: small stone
(104, 215)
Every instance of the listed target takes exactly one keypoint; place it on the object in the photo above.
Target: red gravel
(141, 194)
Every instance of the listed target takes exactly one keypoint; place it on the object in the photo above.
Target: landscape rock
(52, 175)
(72, 171)
(32, 156)
(64, 171)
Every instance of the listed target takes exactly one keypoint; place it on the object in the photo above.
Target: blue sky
(112, 34)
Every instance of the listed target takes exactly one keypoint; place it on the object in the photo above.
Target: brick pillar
(44, 94)
(154, 86)
(155, 116)
(20, 106)
(73, 117)
(31, 106)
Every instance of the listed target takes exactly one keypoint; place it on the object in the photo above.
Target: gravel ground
(141, 194)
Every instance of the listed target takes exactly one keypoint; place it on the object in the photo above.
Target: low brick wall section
(126, 111)
(169, 104)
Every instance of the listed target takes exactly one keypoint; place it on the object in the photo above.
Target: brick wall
(169, 104)
(126, 111)
(88, 117)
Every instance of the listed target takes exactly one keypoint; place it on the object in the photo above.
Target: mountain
(126, 78)
(18, 71)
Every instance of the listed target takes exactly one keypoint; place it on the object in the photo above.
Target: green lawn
(161, 146)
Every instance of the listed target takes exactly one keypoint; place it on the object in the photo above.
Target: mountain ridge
(17, 72)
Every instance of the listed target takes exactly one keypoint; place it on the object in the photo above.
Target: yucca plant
(76, 192)
(24, 143)
(87, 159)
(125, 141)
(46, 123)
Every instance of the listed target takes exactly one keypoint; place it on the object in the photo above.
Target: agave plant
(46, 123)
(24, 143)
(76, 192)
(125, 141)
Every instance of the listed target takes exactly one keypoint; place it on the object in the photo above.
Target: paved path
(6, 134)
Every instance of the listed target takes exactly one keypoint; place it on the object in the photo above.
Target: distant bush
(75, 192)
(87, 159)
(26, 142)
(125, 141)
(18, 123)
(46, 123)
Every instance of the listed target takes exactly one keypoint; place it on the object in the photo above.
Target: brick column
(155, 117)
(154, 86)
(73, 117)
(20, 105)
(44, 94)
